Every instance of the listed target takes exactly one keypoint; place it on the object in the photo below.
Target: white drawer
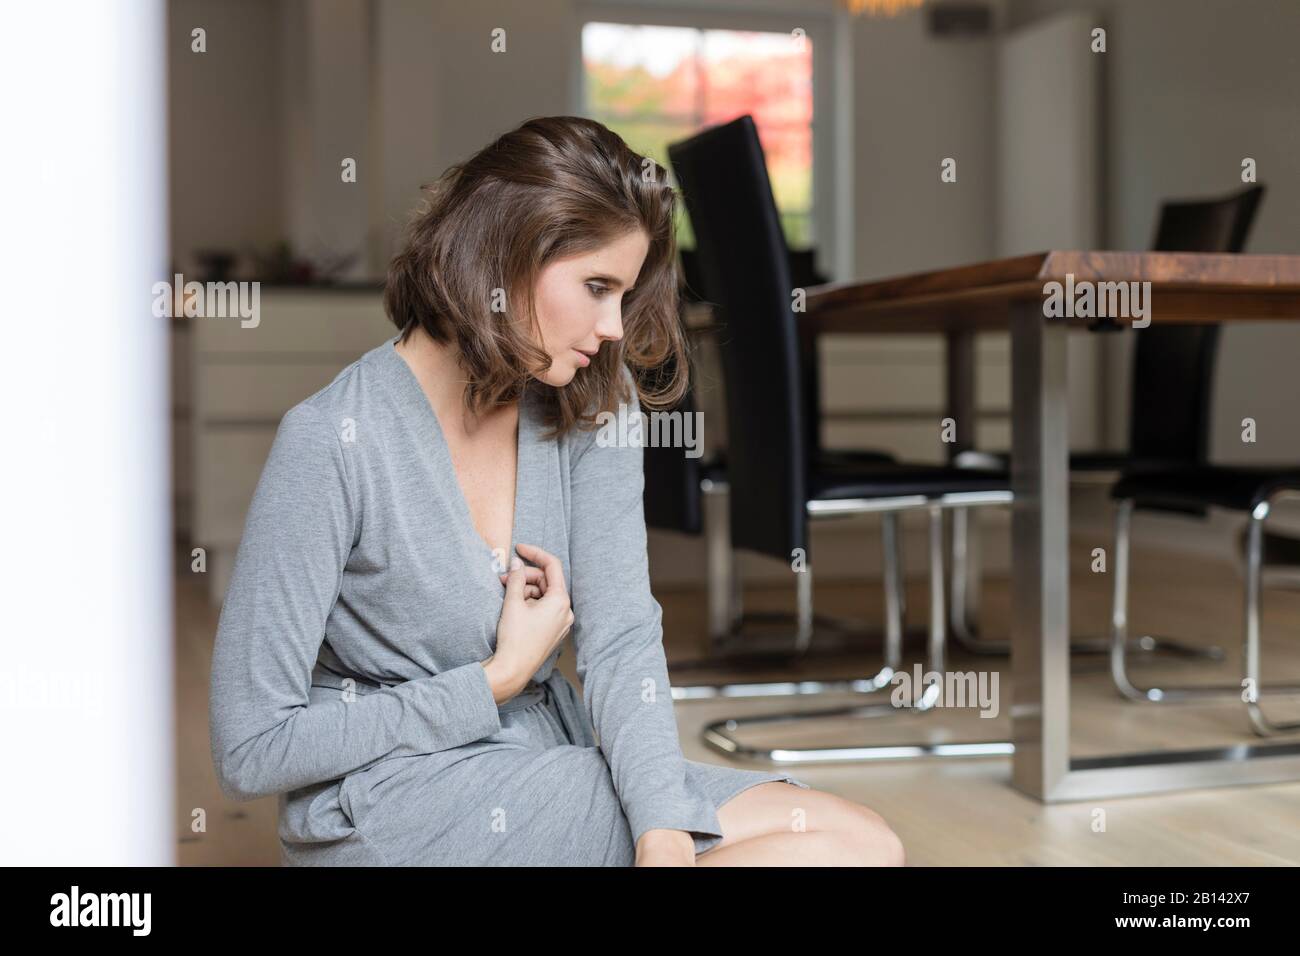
(342, 323)
(227, 465)
(258, 391)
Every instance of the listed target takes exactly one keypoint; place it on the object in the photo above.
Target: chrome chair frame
(965, 592)
(724, 599)
(1251, 686)
(719, 734)
(726, 614)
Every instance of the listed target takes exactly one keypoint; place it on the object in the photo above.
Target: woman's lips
(583, 357)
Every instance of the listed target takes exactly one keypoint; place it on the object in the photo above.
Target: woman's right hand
(535, 618)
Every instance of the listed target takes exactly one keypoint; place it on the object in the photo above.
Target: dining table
(1022, 295)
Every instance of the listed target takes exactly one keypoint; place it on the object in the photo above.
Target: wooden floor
(948, 812)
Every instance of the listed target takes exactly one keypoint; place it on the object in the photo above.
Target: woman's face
(579, 302)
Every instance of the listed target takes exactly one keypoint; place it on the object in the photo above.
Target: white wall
(325, 91)
(1193, 86)
(224, 116)
(256, 113)
(405, 136)
(1049, 185)
(917, 100)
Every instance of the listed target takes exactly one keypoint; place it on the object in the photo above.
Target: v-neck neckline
(409, 384)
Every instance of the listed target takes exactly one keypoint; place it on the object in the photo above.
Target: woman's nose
(610, 325)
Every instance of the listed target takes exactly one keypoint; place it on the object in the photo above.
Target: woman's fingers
(538, 581)
(550, 565)
(527, 592)
(533, 577)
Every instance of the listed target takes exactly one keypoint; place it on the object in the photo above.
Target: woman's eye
(597, 290)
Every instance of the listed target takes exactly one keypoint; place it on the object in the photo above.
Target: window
(654, 84)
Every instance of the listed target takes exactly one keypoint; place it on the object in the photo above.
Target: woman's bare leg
(778, 824)
(814, 848)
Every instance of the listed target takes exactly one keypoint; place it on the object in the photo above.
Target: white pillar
(86, 717)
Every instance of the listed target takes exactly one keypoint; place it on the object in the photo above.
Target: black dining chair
(803, 274)
(689, 496)
(778, 486)
(1172, 473)
(1170, 389)
(676, 486)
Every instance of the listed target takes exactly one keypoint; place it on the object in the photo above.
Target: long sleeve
(618, 635)
(287, 575)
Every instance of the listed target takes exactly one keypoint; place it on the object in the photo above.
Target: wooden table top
(1185, 287)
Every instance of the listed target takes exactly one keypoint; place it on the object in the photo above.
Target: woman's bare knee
(877, 844)
(864, 838)
(869, 839)
(862, 835)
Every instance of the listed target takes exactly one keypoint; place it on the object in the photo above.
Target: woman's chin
(558, 375)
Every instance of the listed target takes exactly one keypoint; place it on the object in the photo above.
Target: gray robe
(346, 674)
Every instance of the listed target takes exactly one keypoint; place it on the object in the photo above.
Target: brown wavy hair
(554, 187)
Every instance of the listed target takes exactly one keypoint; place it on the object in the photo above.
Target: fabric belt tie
(531, 694)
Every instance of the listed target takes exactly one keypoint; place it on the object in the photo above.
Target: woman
(379, 662)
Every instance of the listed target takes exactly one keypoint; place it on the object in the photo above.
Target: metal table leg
(1040, 633)
(1040, 556)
